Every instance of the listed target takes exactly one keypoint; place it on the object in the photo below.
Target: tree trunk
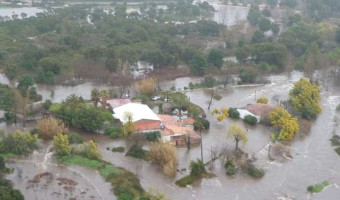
(236, 140)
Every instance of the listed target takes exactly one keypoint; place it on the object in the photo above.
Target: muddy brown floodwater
(314, 160)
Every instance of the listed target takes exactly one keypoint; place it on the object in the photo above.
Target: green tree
(305, 95)
(95, 97)
(282, 120)
(129, 126)
(104, 95)
(180, 101)
(254, 15)
(61, 145)
(238, 134)
(264, 24)
(258, 37)
(215, 57)
(25, 82)
(198, 64)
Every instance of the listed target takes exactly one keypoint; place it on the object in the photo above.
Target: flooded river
(314, 160)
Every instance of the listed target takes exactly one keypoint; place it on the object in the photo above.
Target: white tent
(139, 112)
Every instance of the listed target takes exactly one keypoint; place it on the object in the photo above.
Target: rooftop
(259, 108)
(138, 112)
(114, 103)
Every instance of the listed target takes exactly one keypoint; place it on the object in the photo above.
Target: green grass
(317, 187)
(109, 169)
(80, 160)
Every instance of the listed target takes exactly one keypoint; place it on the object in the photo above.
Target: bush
(250, 119)
(118, 149)
(187, 180)
(9, 117)
(262, 100)
(61, 145)
(201, 122)
(197, 168)
(49, 127)
(19, 143)
(137, 151)
(253, 171)
(233, 113)
(164, 154)
(338, 108)
(74, 138)
(113, 132)
(90, 150)
(318, 187)
(47, 104)
(153, 136)
(230, 167)
(337, 150)
(125, 196)
(308, 113)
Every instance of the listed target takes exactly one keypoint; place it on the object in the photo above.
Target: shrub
(187, 180)
(337, 150)
(197, 168)
(262, 100)
(201, 122)
(308, 113)
(317, 187)
(335, 141)
(164, 154)
(125, 196)
(153, 136)
(19, 143)
(49, 127)
(230, 167)
(118, 149)
(47, 104)
(74, 138)
(250, 119)
(146, 86)
(9, 117)
(253, 171)
(61, 145)
(90, 150)
(137, 151)
(113, 132)
(233, 113)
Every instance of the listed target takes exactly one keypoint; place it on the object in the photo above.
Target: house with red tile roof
(257, 110)
(175, 131)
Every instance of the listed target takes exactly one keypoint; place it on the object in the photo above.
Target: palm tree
(74, 100)
(95, 96)
(104, 95)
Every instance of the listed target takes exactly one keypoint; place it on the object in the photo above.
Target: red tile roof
(188, 121)
(147, 126)
(259, 108)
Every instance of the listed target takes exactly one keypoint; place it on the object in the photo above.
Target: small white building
(244, 113)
